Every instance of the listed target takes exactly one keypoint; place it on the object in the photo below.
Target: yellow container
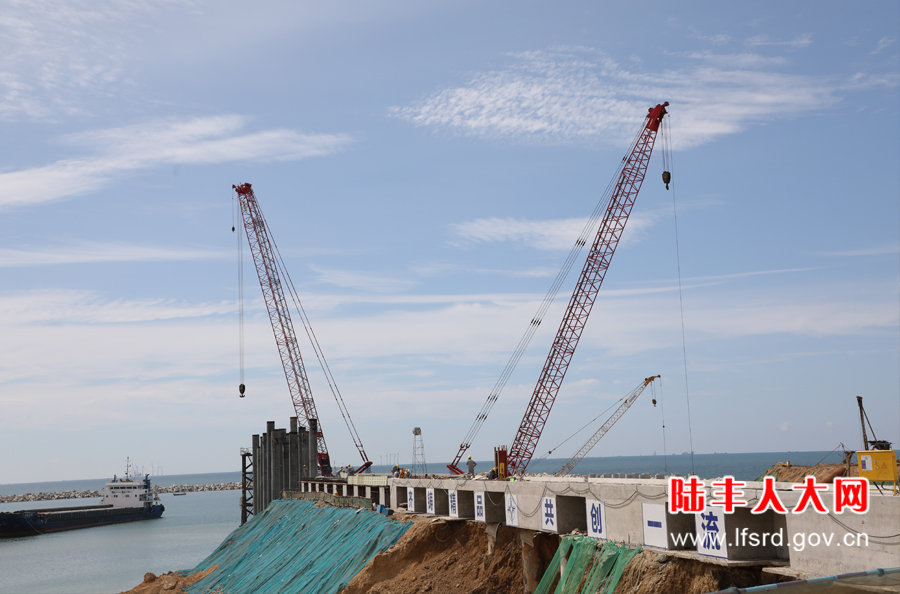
(878, 465)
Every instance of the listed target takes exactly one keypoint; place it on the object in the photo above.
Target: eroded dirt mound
(168, 583)
(445, 557)
(824, 473)
(651, 573)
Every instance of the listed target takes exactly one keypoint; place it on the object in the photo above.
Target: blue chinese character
(596, 520)
(548, 513)
(479, 506)
(453, 503)
(710, 540)
(430, 500)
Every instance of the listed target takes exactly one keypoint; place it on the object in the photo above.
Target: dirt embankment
(651, 573)
(168, 582)
(444, 556)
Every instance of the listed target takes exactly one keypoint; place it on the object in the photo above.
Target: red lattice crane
(267, 261)
(585, 294)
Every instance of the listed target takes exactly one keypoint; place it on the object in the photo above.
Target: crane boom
(587, 447)
(280, 316)
(585, 294)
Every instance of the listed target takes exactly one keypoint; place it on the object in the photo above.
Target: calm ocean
(115, 558)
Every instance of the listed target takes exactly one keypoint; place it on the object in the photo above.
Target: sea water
(115, 558)
(744, 467)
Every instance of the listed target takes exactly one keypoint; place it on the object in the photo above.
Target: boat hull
(42, 521)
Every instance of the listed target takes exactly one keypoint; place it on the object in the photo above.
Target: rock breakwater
(28, 497)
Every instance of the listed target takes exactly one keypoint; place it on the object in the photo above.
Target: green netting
(590, 567)
(293, 547)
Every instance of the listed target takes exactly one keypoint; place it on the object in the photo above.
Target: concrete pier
(634, 512)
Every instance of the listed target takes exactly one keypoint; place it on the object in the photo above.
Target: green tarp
(590, 567)
(294, 547)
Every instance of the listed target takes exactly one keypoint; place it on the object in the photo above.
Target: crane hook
(241, 389)
(667, 177)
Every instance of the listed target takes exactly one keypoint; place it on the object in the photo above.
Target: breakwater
(86, 494)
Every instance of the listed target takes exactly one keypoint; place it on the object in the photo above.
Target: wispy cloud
(553, 234)
(93, 252)
(742, 60)
(128, 150)
(57, 55)
(889, 248)
(432, 269)
(718, 39)
(363, 281)
(90, 307)
(803, 40)
(578, 95)
(884, 43)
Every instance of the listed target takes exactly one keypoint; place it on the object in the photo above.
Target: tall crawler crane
(266, 259)
(585, 294)
(628, 180)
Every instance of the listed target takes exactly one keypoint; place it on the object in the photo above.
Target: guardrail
(335, 500)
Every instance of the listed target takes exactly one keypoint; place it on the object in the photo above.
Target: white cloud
(718, 39)
(56, 55)
(553, 234)
(130, 149)
(91, 252)
(742, 60)
(883, 43)
(89, 307)
(803, 40)
(567, 95)
(888, 248)
(364, 281)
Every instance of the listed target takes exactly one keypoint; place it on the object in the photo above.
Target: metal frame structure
(585, 293)
(596, 437)
(247, 485)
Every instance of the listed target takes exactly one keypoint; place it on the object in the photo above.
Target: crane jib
(582, 301)
(279, 316)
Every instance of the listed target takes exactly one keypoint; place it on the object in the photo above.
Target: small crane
(875, 444)
(626, 404)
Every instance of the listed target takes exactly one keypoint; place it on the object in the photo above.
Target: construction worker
(492, 474)
(470, 464)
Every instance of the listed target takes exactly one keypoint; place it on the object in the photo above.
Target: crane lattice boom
(626, 404)
(280, 316)
(585, 293)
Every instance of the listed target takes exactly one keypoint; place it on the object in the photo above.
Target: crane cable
(544, 457)
(317, 348)
(662, 408)
(235, 216)
(536, 320)
(668, 162)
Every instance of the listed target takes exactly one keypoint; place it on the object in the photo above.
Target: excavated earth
(450, 556)
(168, 582)
(655, 573)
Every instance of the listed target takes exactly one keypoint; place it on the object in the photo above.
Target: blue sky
(425, 168)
